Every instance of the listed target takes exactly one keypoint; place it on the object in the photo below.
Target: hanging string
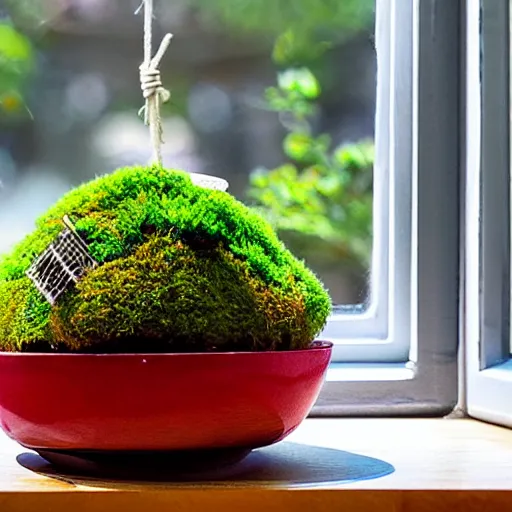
(155, 94)
(151, 84)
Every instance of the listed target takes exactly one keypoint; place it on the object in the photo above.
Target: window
(488, 221)
(395, 342)
(421, 116)
(380, 333)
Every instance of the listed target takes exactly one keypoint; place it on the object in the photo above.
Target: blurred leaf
(299, 80)
(292, 102)
(14, 47)
(305, 149)
(301, 16)
(292, 48)
(16, 64)
(297, 145)
(355, 156)
(328, 185)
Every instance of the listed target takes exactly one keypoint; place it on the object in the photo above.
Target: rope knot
(153, 91)
(151, 83)
(152, 87)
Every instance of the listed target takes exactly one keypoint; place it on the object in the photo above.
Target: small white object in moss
(206, 181)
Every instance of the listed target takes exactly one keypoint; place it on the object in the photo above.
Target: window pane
(510, 161)
(487, 233)
(495, 244)
(277, 97)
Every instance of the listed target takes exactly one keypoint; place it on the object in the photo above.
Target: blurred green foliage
(276, 16)
(321, 200)
(302, 29)
(16, 66)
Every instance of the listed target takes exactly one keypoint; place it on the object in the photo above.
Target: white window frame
(487, 283)
(381, 332)
(416, 252)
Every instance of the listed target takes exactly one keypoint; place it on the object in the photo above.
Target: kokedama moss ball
(181, 268)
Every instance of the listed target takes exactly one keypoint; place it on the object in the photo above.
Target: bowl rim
(316, 346)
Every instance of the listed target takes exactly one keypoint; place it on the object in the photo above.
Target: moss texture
(181, 268)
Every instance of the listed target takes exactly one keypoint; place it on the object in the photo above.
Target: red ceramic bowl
(158, 402)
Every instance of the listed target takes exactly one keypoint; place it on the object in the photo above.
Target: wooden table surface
(354, 464)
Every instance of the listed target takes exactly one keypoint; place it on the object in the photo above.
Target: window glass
(277, 97)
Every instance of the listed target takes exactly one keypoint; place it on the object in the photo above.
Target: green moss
(24, 317)
(185, 301)
(182, 265)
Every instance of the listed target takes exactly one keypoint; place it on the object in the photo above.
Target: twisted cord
(153, 91)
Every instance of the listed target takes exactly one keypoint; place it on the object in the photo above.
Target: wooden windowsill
(328, 464)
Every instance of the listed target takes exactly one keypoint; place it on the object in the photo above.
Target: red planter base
(74, 404)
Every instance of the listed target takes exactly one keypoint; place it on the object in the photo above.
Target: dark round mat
(284, 464)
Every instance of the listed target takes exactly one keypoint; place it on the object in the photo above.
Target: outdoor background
(276, 96)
